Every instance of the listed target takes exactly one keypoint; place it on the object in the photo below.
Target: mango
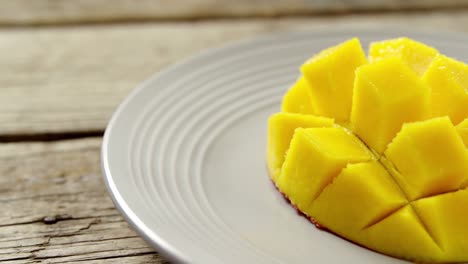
(373, 212)
(462, 130)
(281, 127)
(430, 157)
(332, 93)
(387, 94)
(298, 99)
(448, 80)
(415, 54)
(377, 152)
(373, 196)
(403, 234)
(445, 218)
(315, 157)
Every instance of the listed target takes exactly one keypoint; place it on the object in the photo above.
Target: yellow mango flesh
(391, 173)
(448, 80)
(373, 196)
(315, 157)
(331, 94)
(370, 211)
(387, 94)
(430, 157)
(402, 234)
(415, 54)
(298, 99)
(281, 127)
(446, 219)
(462, 130)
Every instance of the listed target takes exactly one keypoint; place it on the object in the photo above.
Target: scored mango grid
(388, 166)
(385, 164)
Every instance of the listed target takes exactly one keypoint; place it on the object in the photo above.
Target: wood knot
(50, 220)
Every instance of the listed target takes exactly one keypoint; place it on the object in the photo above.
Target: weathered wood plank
(70, 79)
(61, 180)
(21, 12)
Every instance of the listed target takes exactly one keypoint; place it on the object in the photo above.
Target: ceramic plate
(184, 154)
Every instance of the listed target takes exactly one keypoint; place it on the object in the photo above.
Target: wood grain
(70, 79)
(61, 180)
(65, 81)
(27, 12)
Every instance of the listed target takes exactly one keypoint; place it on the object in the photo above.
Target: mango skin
(391, 172)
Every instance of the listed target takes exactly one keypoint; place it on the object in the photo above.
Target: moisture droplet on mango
(375, 149)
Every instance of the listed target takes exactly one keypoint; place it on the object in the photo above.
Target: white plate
(184, 155)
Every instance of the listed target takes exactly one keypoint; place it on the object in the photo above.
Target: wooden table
(64, 67)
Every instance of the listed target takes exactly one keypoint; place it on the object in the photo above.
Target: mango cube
(374, 195)
(430, 158)
(445, 217)
(448, 80)
(386, 95)
(332, 93)
(403, 235)
(298, 98)
(281, 128)
(462, 130)
(377, 152)
(415, 54)
(315, 157)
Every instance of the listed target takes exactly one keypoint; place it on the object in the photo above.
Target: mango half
(375, 149)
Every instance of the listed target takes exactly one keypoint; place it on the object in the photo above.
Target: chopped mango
(298, 98)
(430, 158)
(403, 235)
(374, 196)
(315, 157)
(445, 218)
(462, 130)
(386, 164)
(415, 54)
(386, 95)
(448, 80)
(330, 76)
(281, 128)
(373, 212)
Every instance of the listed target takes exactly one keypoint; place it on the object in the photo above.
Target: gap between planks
(74, 87)
(49, 137)
(48, 12)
